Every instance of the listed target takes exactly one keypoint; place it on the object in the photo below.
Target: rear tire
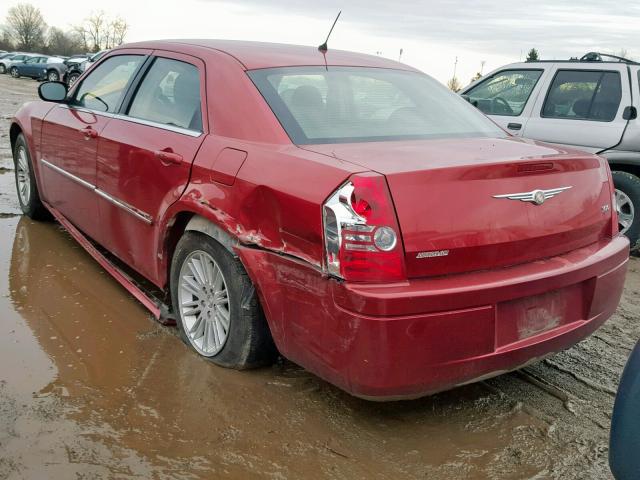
(3, 69)
(628, 205)
(211, 292)
(53, 76)
(27, 189)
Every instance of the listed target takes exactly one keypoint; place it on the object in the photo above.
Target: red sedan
(342, 209)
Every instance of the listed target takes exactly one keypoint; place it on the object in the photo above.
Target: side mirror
(52, 92)
(630, 113)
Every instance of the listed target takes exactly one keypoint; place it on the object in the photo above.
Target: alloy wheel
(14, 72)
(204, 303)
(72, 79)
(53, 76)
(625, 210)
(3, 69)
(23, 175)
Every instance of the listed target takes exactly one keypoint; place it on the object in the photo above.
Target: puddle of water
(124, 396)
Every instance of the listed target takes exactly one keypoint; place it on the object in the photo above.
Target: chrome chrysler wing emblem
(537, 197)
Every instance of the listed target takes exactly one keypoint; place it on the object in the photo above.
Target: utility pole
(400, 56)
(482, 67)
(455, 68)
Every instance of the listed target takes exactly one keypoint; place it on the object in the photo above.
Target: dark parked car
(42, 67)
(624, 452)
(347, 209)
(77, 68)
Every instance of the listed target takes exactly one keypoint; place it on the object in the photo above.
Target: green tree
(533, 55)
(26, 26)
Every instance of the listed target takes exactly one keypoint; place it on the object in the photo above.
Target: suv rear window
(359, 104)
(583, 95)
(504, 93)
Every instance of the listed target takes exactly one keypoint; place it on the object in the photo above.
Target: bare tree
(454, 84)
(5, 39)
(26, 26)
(99, 32)
(117, 32)
(96, 26)
(477, 76)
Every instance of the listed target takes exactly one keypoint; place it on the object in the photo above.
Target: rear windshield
(358, 104)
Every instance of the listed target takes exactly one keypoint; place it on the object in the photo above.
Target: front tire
(14, 72)
(216, 305)
(3, 69)
(53, 76)
(28, 195)
(72, 78)
(627, 196)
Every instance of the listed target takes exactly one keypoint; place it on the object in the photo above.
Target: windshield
(358, 104)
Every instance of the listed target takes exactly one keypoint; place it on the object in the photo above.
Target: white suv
(591, 104)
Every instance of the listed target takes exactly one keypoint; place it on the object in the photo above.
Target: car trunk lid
(452, 198)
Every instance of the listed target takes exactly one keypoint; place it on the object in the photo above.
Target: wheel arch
(189, 220)
(631, 167)
(14, 130)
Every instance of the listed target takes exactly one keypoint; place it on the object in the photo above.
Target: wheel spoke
(208, 269)
(223, 316)
(213, 332)
(205, 335)
(192, 311)
(198, 327)
(191, 286)
(196, 268)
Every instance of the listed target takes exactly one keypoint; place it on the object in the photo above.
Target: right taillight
(362, 237)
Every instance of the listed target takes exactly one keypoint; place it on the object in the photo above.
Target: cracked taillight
(362, 238)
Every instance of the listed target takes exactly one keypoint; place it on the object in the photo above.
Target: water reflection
(142, 397)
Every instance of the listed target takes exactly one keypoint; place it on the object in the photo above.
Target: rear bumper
(422, 336)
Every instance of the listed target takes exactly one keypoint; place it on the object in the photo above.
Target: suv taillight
(361, 234)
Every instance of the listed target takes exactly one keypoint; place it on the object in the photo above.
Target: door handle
(168, 158)
(514, 126)
(88, 133)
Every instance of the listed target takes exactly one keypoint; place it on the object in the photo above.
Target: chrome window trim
(139, 214)
(127, 118)
(163, 126)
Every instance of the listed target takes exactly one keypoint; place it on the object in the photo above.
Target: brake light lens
(361, 232)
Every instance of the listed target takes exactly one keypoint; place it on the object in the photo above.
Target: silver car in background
(589, 103)
(17, 57)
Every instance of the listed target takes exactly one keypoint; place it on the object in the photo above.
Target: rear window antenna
(323, 48)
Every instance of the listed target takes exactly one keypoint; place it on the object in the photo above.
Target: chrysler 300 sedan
(344, 210)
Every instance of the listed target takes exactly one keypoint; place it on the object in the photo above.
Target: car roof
(254, 55)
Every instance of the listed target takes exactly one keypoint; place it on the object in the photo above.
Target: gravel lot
(91, 387)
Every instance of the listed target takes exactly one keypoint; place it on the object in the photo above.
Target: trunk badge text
(537, 197)
(437, 253)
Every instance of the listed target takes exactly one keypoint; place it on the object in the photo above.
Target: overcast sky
(431, 33)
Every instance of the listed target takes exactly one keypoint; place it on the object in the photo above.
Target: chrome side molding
(139, 214)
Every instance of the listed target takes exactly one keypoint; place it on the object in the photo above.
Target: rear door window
(169, 94)
(583, 95)
(105, 86)
(504, 93)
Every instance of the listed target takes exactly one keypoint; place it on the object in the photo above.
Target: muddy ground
(91, 387)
